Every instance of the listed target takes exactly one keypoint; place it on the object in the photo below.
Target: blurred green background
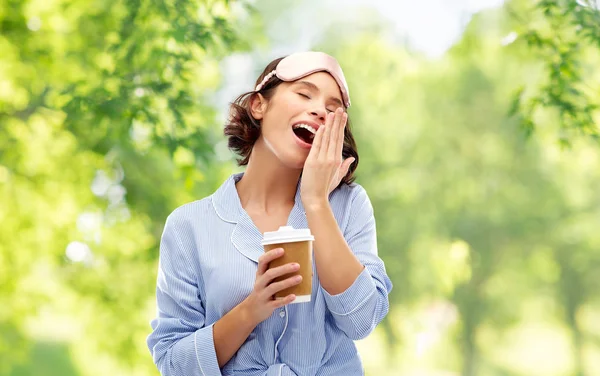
(477, 125)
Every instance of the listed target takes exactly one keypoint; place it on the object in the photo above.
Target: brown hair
(242, 129)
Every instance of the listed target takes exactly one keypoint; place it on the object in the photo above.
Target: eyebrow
(316, 88)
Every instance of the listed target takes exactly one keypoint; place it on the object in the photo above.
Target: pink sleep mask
(302, 64)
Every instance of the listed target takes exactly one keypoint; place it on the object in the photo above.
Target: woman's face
(294, 112)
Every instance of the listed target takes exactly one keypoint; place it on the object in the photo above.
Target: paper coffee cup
(297, 244)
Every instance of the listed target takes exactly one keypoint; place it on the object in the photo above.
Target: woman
(216, 314)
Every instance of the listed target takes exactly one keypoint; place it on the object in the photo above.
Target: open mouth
(305, 132)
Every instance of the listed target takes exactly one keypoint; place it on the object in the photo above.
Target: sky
(428, 26)
(432, 26)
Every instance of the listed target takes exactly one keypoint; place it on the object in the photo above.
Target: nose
(319, 113)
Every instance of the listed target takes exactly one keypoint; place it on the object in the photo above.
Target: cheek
(299, 105)
(281, 117)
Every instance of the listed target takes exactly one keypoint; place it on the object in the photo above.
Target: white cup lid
(287, 234)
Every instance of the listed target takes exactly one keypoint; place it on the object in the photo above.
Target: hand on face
(324, 168)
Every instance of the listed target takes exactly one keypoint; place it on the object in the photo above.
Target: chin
(289, 154)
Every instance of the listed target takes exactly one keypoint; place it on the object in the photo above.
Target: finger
(332, 148)
(324, 146)
(273, 273)
(278, 303)
(342, 131)
(275, 287)
(266, 258)
(346, 166)
(316, 144)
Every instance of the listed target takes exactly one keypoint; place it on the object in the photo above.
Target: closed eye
(306, 96)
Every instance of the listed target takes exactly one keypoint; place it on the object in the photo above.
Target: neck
(267, 185)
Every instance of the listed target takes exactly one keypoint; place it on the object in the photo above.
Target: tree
(467, 208)
(565, 38)
(106, 126)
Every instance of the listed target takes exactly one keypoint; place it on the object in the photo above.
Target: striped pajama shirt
(209, 254)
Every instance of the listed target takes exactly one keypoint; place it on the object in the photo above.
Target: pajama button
(282, 314)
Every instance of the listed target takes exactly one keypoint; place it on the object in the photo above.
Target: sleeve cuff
(206, 355)
(354, 297)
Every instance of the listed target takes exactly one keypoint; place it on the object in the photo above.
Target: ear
(258, 106)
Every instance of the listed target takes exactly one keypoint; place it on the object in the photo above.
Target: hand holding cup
(260, 304)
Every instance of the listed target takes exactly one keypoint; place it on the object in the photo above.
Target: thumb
(346, 165)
